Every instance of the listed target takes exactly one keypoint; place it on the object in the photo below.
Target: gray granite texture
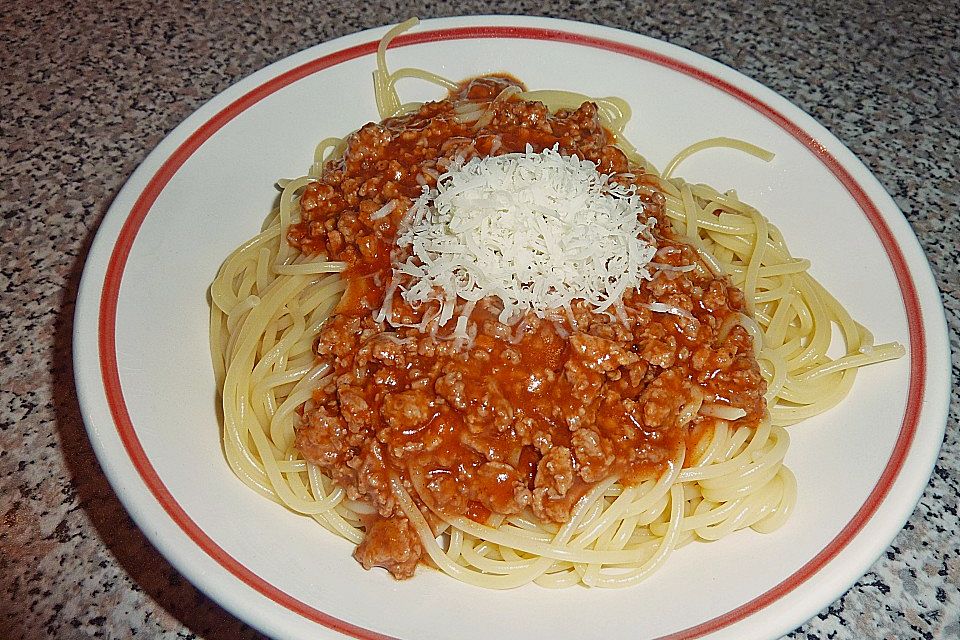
(88, 88)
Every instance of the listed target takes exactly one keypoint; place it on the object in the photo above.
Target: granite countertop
(88, 89)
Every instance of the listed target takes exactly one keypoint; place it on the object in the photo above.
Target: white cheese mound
(535, 230)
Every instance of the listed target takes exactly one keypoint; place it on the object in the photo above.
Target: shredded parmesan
(384, 211)
(533, 230)
(660, 307)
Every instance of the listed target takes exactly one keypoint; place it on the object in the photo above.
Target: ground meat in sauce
(527, 417)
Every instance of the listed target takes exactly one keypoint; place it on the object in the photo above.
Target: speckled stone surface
(88, 88)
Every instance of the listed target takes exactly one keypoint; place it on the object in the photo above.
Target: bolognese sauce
(528, 415)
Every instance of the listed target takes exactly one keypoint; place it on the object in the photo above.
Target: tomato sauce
(527, 417)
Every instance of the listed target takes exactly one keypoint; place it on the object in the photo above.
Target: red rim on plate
(156, 184)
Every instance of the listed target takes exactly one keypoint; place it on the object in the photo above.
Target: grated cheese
(534, 230)
(384, 211)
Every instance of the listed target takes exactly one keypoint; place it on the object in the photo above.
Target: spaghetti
(277, 292)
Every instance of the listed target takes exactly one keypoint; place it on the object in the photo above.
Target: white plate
(146, 384)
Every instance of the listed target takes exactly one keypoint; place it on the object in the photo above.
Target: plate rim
(133, 197)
